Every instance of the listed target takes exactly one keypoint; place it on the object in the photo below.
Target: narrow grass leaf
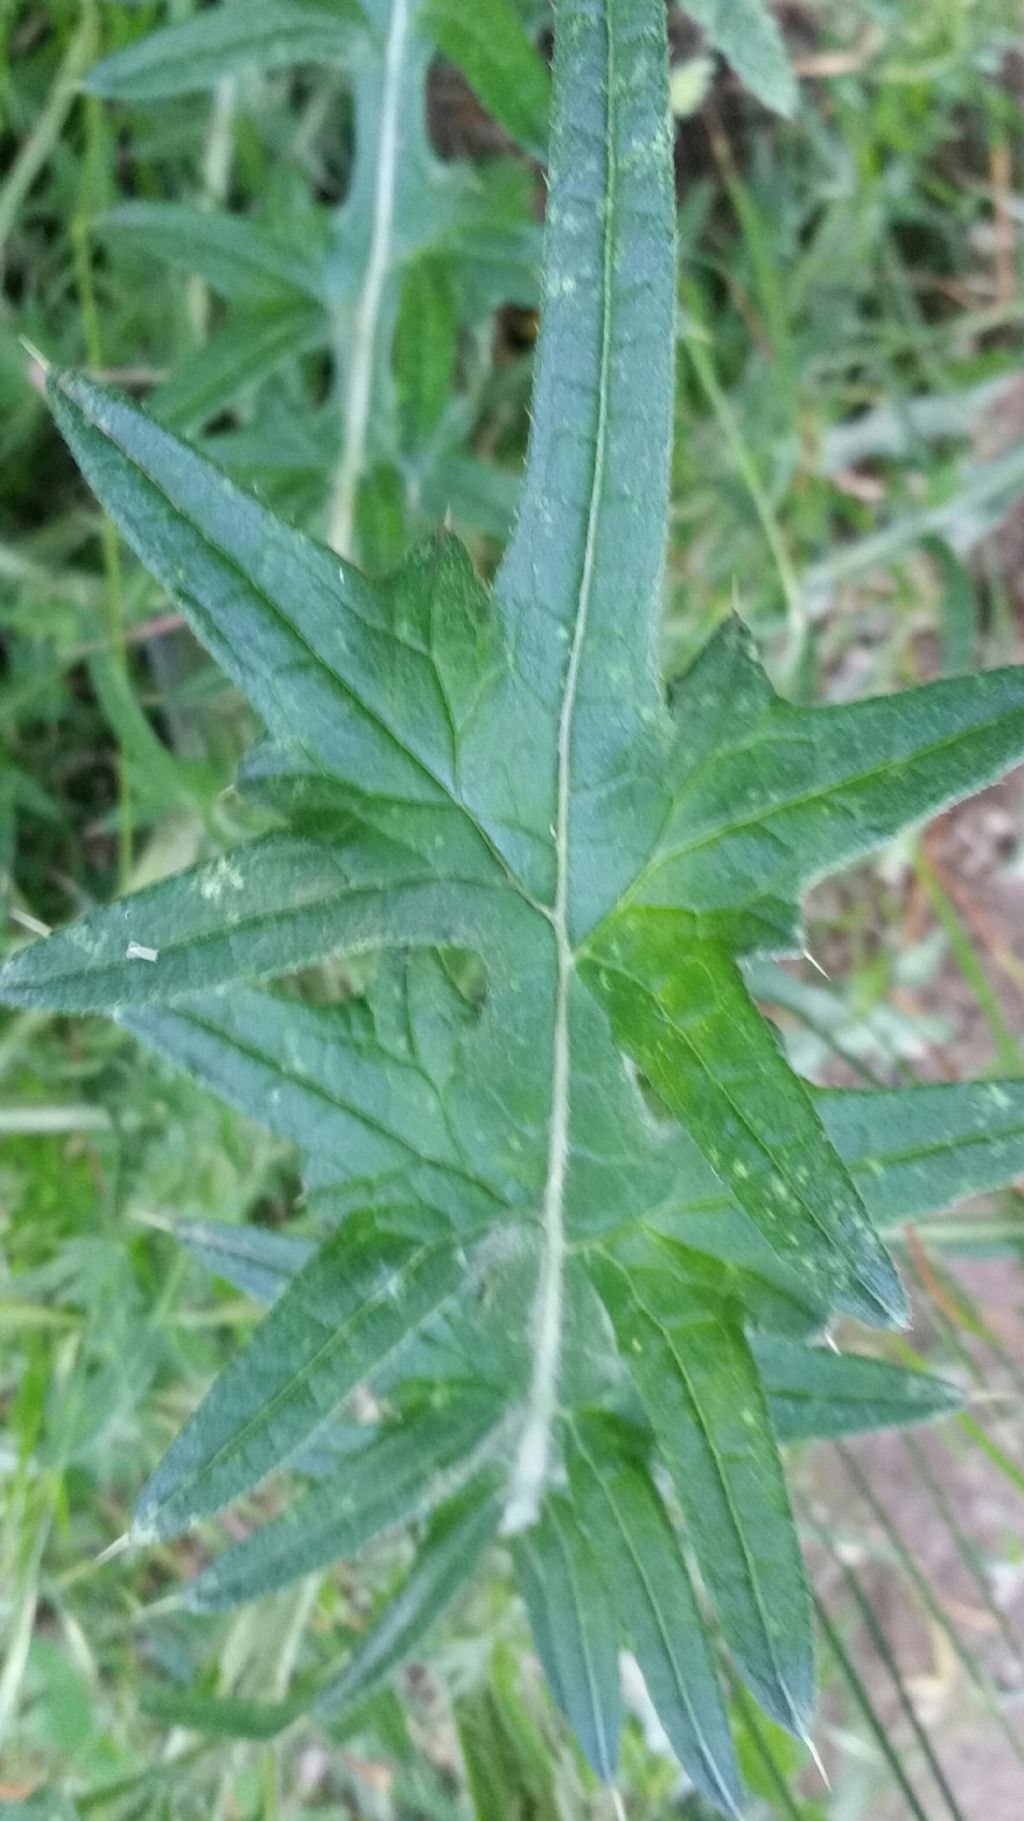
(235, 256)
(504, 69)
(749, 37)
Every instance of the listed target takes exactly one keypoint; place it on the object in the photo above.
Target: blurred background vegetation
(849, 476)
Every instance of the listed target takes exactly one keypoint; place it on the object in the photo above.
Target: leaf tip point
(815, 1756)
(120, 1546)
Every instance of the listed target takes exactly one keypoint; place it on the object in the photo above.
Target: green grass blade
(931, 1603)
(748, 36)
(876, 1725)
(502, 66)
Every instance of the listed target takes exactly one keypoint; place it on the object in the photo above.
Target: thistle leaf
(399, 1474)
(627, 1524)
(574, 1629)
(919, 1150)
(346, 1311)
(702, 1392)
(448, 1558)
(536, 882)
(815, 1392)
(680, 1007)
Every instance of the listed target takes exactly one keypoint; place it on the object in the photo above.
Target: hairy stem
(530, 1472)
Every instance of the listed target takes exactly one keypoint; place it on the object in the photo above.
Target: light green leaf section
(345, 1313)
(748, 36)
(425, 346)
(681, 1008)
(626, 1524)
(220, 1716)
(700, 1386)
(400, 1473)
(911, 1151)
(448, 1558)
(487, 42)
(226, 39)
(573, 1625)
(813, 1392)
(511, 1770)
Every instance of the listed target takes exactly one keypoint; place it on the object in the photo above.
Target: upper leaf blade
(345, 1312)
(199, 53)
(581, 585)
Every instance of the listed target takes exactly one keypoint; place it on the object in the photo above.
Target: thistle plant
(583, 1228)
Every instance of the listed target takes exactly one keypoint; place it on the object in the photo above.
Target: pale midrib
(359, 390)
(530, 1471)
